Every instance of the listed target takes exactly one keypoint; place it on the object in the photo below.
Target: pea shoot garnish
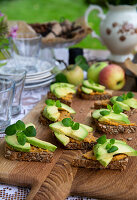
(117, 108)
(102, 139)
(21, 131)
(51, 102)
(112, 149)
(69, 123)
(123, 97)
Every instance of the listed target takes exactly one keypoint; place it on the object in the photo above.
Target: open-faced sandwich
(106, 154)
(73, 135)
(127, 102)
(22, 145)
(62, 91)
(93, 91)
(55, 111)
(112, 120)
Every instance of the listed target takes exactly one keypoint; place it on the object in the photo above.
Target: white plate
(34, 81)
(35, 86)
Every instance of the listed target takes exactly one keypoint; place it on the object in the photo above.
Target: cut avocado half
(53, 86)
(94, 86)
(79, 134)
(105, 158)
(12, 141)
(96, 114)
(119, 118)
(123, 105)
(51, 112)
(86, 90)
(63, 91)
(67, 108)
(131, 102)
(41, 144)
(63, 139)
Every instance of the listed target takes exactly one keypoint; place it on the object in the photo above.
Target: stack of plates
(42, 75)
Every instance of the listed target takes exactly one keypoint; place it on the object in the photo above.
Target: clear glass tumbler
(25, 48)
(18, 76)
(6, 99)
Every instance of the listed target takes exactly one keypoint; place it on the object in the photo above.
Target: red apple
(112, 76)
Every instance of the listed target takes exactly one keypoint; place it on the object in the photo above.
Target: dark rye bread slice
(46, 121)
(36, 154)
(114, 129)
(80, 161)
(86, 144)
(103, 104)
(67, 100)
(94, 95)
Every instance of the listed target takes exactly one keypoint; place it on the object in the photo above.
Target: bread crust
(36, 155)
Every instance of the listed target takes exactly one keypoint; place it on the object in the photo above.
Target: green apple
(94, 70)
(112, 76)
(74, 74)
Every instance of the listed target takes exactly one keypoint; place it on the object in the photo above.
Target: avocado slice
(132, 102)
(105, 158)
(120, 118)
(86, 90)
(96, 114)
(79, 134)
(54, 85)
(122, 104)
(62, 138)
(51, 112)
(41, 144)
(12, 141)
(63, 91)
(67, 108)
(94, 86)
(88, 128)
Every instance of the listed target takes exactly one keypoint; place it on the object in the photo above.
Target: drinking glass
(18, 76)
(25, 48)
(6, 99)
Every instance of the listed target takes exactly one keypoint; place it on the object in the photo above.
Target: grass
(33, 11)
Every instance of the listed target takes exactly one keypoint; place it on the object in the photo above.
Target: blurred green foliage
(33, 11)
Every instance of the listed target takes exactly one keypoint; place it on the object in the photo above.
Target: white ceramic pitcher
(118, 30)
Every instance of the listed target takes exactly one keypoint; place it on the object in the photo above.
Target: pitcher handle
(101, 15)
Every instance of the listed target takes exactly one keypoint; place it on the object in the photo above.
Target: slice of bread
(67, 99)
(94, 95)
(46, 121)
(81, 161)
(36, 154)
(114, 128)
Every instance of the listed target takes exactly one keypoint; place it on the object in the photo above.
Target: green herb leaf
(109, 107)
(11, 130)
(104, 112)
(30, 131)
(124, 96)
(130, 95)
(75, 126)
(81, 61)
(112, 141)
(108, 146)
(58, 104)
(117, 108)
(50, 102)
(102, 139)
(61, 78)
(120, 98)
(67, 122)
(112, 149)
(21, 138)
(20, 125)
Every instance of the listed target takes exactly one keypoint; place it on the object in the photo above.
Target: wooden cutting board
(55, 181)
